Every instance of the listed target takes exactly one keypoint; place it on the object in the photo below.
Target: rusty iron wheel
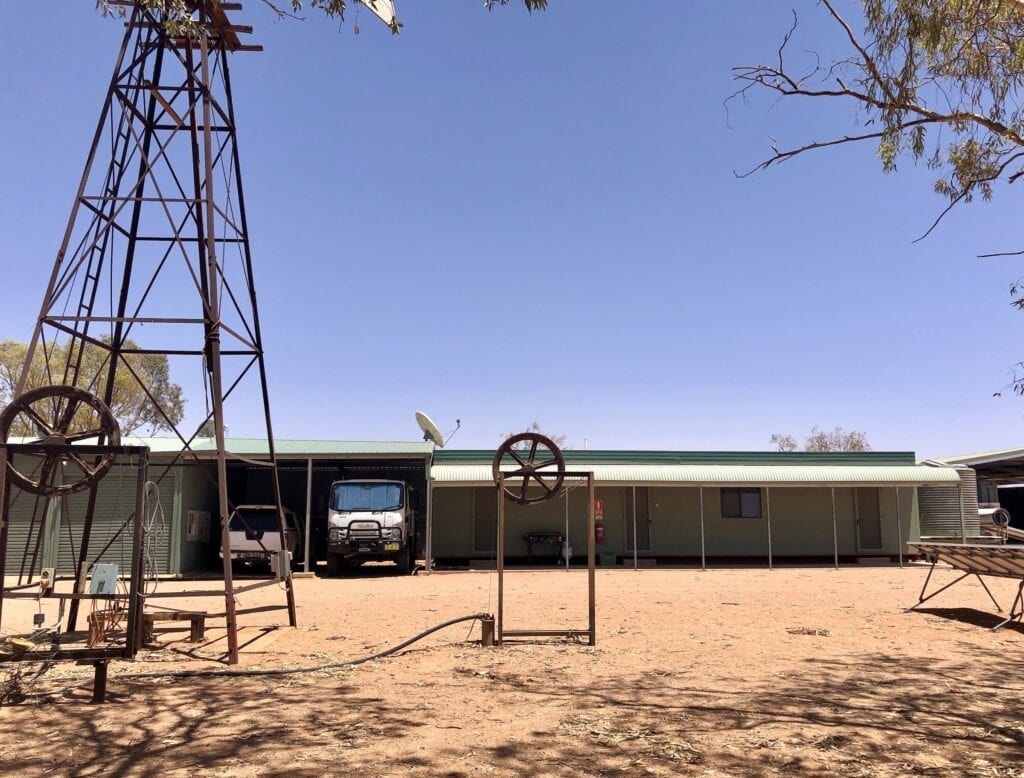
(540, 461)
(51, 412)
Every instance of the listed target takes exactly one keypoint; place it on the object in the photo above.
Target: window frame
(739, 492)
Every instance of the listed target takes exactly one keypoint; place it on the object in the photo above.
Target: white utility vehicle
(255, 537)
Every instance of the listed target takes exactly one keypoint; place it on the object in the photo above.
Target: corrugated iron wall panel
(115, 502)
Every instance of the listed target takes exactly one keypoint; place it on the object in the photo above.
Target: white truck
(371, 520)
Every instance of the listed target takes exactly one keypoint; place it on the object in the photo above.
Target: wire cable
(257, 672)
(154, 537)
(304, 669)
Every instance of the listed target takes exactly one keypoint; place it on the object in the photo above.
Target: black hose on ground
(296, 670)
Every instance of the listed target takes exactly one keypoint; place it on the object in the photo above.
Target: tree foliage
(131, 406)
(178, 14)
(932, 81)
(558, 440)
(784, 442)
(837, 439)
(937, 82)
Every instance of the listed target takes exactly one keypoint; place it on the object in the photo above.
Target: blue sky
(504, 218)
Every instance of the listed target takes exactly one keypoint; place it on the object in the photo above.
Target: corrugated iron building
(693, 507)
(658, 506)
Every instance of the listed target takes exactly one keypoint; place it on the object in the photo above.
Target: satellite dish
(430, 430)
(383, 10)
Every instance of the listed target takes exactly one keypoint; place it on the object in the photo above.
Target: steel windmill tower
(156, 259)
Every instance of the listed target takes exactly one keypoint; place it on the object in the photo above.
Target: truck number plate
(391, 546)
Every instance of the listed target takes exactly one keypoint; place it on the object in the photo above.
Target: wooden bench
(196, 619)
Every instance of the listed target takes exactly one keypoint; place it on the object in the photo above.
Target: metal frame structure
(591, 630)
(157, 251)
(47, 589)
(977, 559)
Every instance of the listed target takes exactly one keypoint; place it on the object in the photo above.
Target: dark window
(740, 503)
(254, 520)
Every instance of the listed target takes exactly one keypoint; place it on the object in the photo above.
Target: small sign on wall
(197, 526)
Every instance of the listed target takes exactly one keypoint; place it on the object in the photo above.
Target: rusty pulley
(54, 417)
(525, 458)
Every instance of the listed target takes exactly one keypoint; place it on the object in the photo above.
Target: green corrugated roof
(577, 457)
(734, 475)
(293, 447)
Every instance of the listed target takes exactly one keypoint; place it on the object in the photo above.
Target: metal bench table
(555, 538)
(977, 559)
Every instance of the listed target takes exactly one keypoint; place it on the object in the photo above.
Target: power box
(103, 578)
(280, 564)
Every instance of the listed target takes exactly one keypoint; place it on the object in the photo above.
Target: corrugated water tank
(940, 508)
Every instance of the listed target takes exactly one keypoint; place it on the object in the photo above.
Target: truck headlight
(394, 533)
(339, 533)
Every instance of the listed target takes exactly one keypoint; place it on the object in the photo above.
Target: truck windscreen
(355, 496)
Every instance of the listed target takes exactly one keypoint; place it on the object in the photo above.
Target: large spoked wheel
(529, 458)
(54, 417)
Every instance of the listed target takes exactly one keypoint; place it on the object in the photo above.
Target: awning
(723, 475)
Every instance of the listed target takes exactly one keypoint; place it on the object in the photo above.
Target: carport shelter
(188, 535)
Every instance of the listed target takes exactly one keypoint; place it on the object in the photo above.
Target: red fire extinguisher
(599, 533)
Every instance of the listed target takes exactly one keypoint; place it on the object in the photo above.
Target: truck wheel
(404, 563)
(333, 565)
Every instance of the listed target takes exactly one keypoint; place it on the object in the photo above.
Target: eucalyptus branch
(869, 62)
(966, 190)
(282, 14)
(1001, 254)
(782, 156)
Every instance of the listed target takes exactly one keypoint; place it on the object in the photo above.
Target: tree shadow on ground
(151, 728)
(871, 714)
(875, 714)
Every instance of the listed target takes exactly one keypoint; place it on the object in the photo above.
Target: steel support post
(703, 557)
(500, 561)
(1016, 609)
(835, 530)
(133, 627)
(208, 251)
(636, 561)
(565, 543)
(899, 527)
(429, 552)
(768, 515)
(309, 508)
(591, 561)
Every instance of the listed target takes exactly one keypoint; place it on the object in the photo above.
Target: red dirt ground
(725, 672)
